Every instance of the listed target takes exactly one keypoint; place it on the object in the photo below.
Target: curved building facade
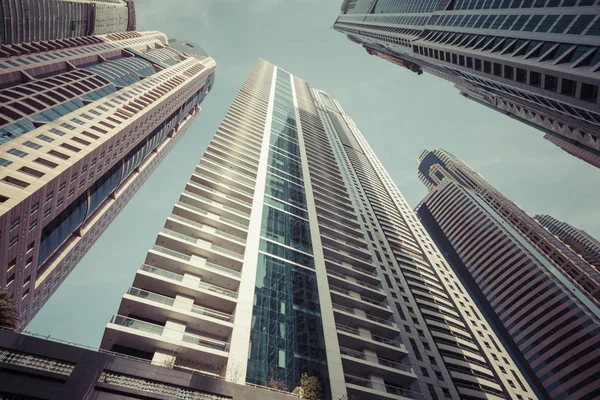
(82, 125)
(25, 21)
(546, 316)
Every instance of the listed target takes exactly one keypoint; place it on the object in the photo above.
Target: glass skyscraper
(537, 61)
(83, 122)
(291, 251)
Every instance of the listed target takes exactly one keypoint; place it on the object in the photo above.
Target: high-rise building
(581, 242)
(545, 319)
(291, 251)
(83, 123)
(23, 23)
(437, 166)
(534, 60)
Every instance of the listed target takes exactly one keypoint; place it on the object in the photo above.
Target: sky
(398, 112)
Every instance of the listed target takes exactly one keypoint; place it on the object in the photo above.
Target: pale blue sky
(398, 112)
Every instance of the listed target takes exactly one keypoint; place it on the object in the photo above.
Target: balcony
(349, 316)
(171, 284)
(359, 273)
(240, 182)
(222, 187)
(217, 207)
(378, 391)
(240, 204)
(150, 337)
(215, 220)
(354, 339)
(332, 252)
(358, 286)
(353, 249)
(205, 232)
(160, 308)
(346, 298)
(200, 248)
(177, 262)
(357, 362)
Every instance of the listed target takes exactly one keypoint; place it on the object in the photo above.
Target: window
(31, 171)
(71, 192)
(32, 145)
(32, 225)
(69, 127)
(45, 138)
(14, 240)
(521, 75)
(589, 92)
(47, 212)
(57, 132)
(568, 87)
(62, 187)
(35, 207)
(550, 83)
(508, 72)
(49, 196)
(15, 182)
(16, 152)
(15, 222)
(60, 201)
(4, 162)
(535, 78)
(497, 69)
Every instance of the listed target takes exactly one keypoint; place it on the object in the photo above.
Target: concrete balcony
(207, 204)
(160, 308)
(171, 284)
(226, 150)
(128, 332)
(375, 390)
(247, 176)
(358, 362)
(355, 317)
(366, 275)
(360, 338)
(200, 248)
(205, 232)
(217, 184)
(240, 204)
(338, 242)
(230, 178)
(344, 256)
(215, 220)
(180, 263)
(350, 299)
(349, 283)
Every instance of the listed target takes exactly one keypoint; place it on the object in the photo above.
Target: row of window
(567, 87)
(570, 24)
(500, 4)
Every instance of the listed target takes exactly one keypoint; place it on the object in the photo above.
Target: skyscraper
(291, 251)
(536, 61)
(437, 166)
(27, 22)
(581, 242)
(83, 123)
(534, 306)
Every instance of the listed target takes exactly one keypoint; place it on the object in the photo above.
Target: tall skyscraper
(27, 22)
(83, 123)
(535, 307)
(437, 166)
(291, 251)
(534, 60)
(581, 242)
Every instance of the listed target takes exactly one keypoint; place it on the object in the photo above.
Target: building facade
(534, 306)
(291, 251)
(35, 367)
(437, 166)
(536, 61)
(23, 23)
(82, 126)
(581, 242)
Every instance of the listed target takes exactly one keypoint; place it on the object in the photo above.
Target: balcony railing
(360, 283)
(367, 316)
(373, 337)
(207, 200)
(179, 278)
(201, 226)
(363, 298)
(171, 253)
(339, 262)
(228, 252)
(159, 298)
(229, 197)
(137, 324)
(381, 387)
(374, 359)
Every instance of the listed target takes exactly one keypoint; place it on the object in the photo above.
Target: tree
(311, 387)
(351, 396)
(277, 384)
(9, 317)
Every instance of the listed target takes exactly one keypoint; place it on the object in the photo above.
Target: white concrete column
(183, 303)
(174, 330)
(190, 280)
(163, 359)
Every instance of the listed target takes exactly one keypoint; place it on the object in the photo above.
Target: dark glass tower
(537, 61)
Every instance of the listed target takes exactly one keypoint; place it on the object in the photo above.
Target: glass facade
(287, 331)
